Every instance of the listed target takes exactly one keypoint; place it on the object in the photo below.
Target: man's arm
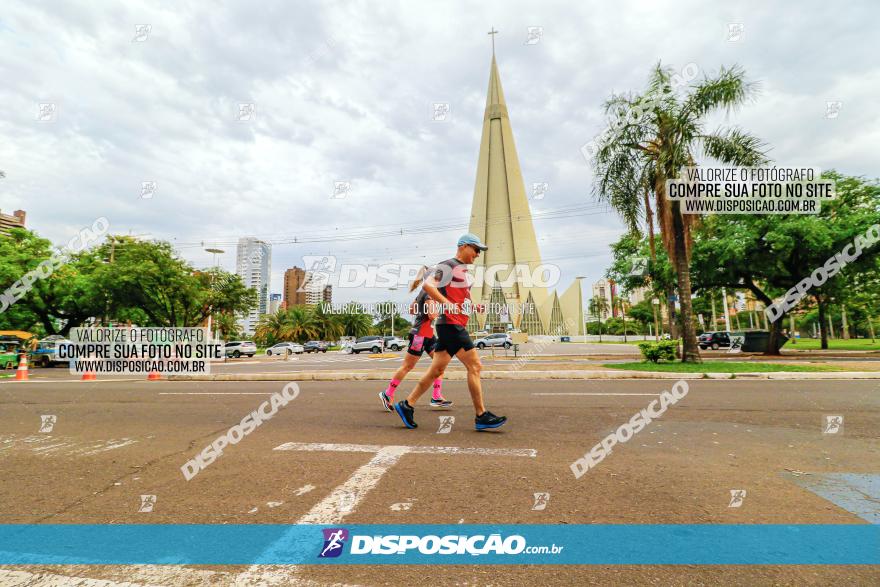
(430, 287)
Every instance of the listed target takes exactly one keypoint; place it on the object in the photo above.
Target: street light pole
(654, 303)
(583, 314)
(211, 307)
(392, 311)
(726, 309)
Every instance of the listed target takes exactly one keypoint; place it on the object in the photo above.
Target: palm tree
(649, 139)
(329, 325)
(354, 321)
(296, 323)
(271, 328)
(301, 324)
(598, 307)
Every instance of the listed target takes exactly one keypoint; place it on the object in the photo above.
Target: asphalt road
(113, 442)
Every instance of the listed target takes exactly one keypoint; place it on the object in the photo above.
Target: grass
(813, 344)
(718, 367)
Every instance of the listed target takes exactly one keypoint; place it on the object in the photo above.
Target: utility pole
(726, 311)
(714, 316)
(655, 302)
(215, 252)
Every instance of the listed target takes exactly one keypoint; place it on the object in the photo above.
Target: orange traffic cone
(154, 376)
(21, 374)
(89, 376)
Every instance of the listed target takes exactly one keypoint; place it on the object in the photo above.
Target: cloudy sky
(343, 91)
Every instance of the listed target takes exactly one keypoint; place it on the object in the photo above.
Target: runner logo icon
(334, 541)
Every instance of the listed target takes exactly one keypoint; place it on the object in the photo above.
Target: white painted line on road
(343, 500)
(111, 446)
(215, 393)
(375, 448)
(317, 447)
(585, 393)
(24, 578)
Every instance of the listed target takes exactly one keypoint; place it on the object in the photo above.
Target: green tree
(598, 308)
(355, 321)
(770, 254)
(64, 299)
(650, 137)
(329, 325)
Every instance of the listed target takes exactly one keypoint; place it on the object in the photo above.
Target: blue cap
(473, 240)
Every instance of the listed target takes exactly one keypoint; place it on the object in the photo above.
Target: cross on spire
(492, 34)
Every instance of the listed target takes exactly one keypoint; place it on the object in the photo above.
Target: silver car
(394, 343)
(241, 347)
(494, 340)
(373, 344)
(283, 347)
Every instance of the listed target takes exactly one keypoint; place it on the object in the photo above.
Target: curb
(517, 375)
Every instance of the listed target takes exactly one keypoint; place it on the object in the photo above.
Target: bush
(655, 352)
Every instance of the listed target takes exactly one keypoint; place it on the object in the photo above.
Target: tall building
(294, 278)
(316, 287)
(14, 221)
(328, 294)
(501, 217)
(606, 290)
(253, 263)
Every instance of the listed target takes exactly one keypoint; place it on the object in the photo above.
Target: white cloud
(343, 92)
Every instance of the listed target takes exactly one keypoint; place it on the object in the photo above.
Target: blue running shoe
(406, 413)
(441, 403)
(487, 420)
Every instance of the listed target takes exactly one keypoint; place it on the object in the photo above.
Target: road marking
(374, 448)
(585, 393)
(63, 445)
(215, 393)
(51, 580)
(343, 499)
(857, 493)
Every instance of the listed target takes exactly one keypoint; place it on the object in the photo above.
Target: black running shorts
(420, 344)
(453, 338)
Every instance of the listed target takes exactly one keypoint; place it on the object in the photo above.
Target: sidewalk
(461, 375)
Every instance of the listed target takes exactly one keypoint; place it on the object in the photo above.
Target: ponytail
(420, 277)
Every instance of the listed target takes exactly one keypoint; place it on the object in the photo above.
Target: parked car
(714, 340)
(494, 340)
(394, 343)
(374, 344)
(282, 347)
(8, 356)
(315, 346)
(238, 348)
(46, 353)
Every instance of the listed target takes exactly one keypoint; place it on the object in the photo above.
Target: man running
(451, 287)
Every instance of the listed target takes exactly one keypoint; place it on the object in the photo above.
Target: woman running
(421, 340)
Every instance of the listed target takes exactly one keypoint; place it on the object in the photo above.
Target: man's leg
(405, 409)
(438, 366)
(485, 420)
(471, 360)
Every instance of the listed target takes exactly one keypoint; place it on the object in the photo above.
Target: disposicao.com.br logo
(453, 544)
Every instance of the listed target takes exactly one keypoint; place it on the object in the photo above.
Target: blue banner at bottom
(454, 544)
